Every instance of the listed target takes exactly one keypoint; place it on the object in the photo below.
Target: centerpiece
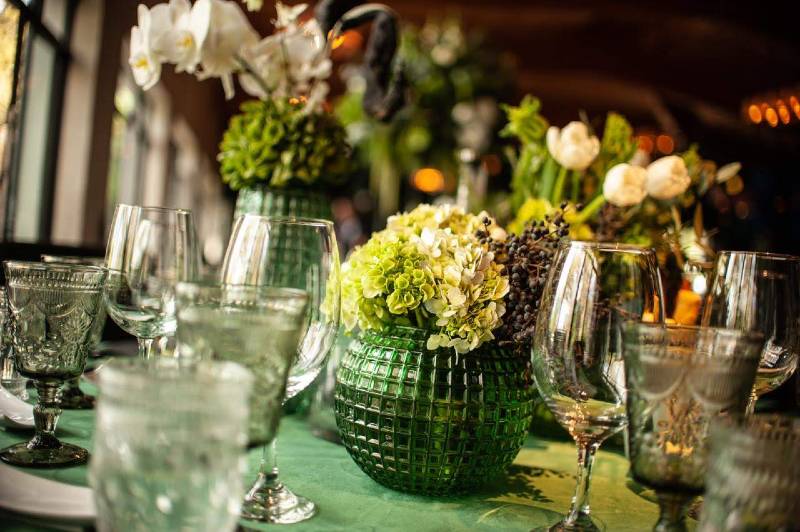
(427, 399)
(285, 149)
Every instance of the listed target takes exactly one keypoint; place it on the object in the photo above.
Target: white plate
(17, 412)
(31, 495)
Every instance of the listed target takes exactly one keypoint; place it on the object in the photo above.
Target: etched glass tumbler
(10, 379)
(149, 251)
(753, 479)
(759, 292)
(53, 308)
(169, 445)
(72, 397)
(679, 379)
(592, 289)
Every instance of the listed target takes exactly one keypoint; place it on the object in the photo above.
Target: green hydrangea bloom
(278, 144)
(427, 269)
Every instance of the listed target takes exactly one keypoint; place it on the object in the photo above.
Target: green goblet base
(30, 455)
(73, 398)
(277, 505)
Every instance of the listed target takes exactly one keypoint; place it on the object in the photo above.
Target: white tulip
(624, 185)
(573, 147)
(667, 177)
(221, 30)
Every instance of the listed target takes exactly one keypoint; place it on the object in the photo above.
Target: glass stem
(751, 404)
(267, 482)
(672, 508)
(45, 415)
(580, 502)
(145, 348)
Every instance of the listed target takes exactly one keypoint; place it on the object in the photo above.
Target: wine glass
(52, 309)
(759, 292)
(592, 288)
(680, 379)
(72, 397)
(298, 253)
(150, 249)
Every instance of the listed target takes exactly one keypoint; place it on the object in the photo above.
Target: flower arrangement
(609, 196)
(287, 136)
(429, 269)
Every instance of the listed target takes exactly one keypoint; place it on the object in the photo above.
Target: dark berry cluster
(527, 259)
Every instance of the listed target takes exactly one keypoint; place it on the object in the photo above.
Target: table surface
(537, 489)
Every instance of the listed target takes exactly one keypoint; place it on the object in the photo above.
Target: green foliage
(525, 122)
(277, 144)
(617, 145)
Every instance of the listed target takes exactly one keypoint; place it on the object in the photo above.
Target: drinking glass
(150, 249)
(592, 288)
(298, 253)
(72, 397)
(10, 379)
(169, 445)
(753, 481)
(258, 327)
(759, 292)
(679, 379)
(52, 308)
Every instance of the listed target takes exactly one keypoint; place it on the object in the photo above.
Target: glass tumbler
(71, 396)
(169, 446)
(753, 479)
(53, 308)
(679, 379)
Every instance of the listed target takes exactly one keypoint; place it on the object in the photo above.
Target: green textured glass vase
(432, 422)
(302, 203)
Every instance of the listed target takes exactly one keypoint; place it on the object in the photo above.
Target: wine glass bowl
(753, 291)
(592, 289)
(679, 379)
(52, 308)
(149, 250)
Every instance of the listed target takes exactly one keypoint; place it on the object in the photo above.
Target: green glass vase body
(301, 203)
(431, 422)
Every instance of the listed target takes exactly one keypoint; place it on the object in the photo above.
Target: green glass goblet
(52, 309)
(679, 379)
(72, 397)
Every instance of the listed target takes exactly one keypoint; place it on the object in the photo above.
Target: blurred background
(78, 136)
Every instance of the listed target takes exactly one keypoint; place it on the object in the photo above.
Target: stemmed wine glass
(679, 379)
(577, 359)
(298, 253)
(759, 292)
(150, 249)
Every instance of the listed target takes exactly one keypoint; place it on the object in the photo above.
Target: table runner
(538, 487)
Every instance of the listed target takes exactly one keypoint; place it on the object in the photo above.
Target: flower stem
(590, 210)
(558, 188)
(576, 185)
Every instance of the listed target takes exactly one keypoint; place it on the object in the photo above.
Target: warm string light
(774, 110)
(429, 180)
(661, 143)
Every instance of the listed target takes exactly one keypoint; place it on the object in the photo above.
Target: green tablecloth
(537, 489)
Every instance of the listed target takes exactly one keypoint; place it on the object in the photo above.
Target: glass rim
(608, 246)
(761, 255)
(289, 220)
(750, 336)
(97, 262)
(154, 208)
(284, 292)
(53, 266)
(123, 374)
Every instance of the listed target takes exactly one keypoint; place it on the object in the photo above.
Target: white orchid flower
(145, 66)
(221, 31)
(181, 47)
(573, 147)
(265, 58)
(624, 185)
(304, 47)
(287, 15)
(667, 177)
(253, 5)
